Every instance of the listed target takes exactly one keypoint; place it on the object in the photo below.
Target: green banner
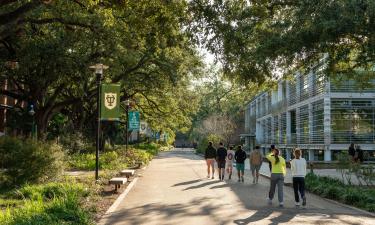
(110, 102)
(134, 123)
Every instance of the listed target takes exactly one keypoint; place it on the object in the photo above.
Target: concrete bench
(127, 173)
(118, 181)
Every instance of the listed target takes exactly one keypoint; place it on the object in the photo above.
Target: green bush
(58, 210)
(29, 161)
(361, 197)
(76, 143)
(118, 159)
(202, 145)
(50, 191)
(107, 160)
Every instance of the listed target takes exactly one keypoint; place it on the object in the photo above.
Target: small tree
(221, 126)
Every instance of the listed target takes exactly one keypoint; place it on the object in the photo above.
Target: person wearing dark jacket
(351, 151)
(210, 156)
(221, 155)
(240, 157)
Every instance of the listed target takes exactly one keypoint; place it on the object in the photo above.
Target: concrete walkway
(174, 190)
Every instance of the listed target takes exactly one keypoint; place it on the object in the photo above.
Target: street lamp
(99, 68)
(32, 113)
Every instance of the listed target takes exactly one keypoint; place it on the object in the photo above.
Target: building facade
(311, 112)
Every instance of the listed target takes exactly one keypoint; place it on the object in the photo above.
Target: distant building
(311, 112)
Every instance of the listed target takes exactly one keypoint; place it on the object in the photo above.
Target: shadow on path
(202, 185)
(187, 182)
(148, 212)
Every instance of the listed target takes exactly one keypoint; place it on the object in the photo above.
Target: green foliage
(348, 169)
(75, 143)
(151, 147)
(86, 161)
(52, 203)
(50, 191)
(202, 145)
(117, 159)
(253, 39)
(327, 187)
(29, 161)
(220, 110)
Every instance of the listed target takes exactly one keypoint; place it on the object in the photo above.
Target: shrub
(66, 210)
(335, 189)
(202, 145)
(107, 160)
(50, 191)
(29, 161)
(332, 192)
(76, 143)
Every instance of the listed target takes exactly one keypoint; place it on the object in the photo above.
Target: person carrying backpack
(256, 159)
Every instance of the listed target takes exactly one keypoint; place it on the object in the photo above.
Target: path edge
(121, 197)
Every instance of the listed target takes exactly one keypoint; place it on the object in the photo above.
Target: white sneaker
(269, 201)
(281, 204)
(297, 204)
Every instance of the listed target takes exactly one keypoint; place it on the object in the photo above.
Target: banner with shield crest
(110, 102)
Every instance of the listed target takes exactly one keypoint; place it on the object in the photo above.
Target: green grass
(358, 196)
(71, 201)
(51, 203)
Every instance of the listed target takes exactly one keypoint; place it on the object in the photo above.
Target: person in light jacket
(298, 167)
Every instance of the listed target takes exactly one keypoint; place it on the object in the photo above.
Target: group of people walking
(225, 160)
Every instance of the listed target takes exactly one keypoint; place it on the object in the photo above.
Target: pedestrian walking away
(298, 167)
(210, 156)
(358, 155)
(269, 163)
(240, 157)
(229, 162)
(255, 160)
(270, 166)
(351, 151)
(277, 176)
(221, 154)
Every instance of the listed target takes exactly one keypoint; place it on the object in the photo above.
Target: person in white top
(298, 167)
(229, 161)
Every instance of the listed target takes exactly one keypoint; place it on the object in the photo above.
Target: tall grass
(53, 203)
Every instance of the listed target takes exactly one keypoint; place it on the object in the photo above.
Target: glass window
(319, 155)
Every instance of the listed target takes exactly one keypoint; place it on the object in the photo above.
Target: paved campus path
(174, 190)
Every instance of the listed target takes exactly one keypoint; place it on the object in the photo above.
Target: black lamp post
(33, 130)
(127, 104)
(99, 74)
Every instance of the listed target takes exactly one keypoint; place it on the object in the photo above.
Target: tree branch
(19, 12)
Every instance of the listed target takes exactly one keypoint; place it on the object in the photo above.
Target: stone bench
(118, 181)
(127, 173)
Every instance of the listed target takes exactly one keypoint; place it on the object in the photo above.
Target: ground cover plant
(51, 203)
(116, 159)
(60, 199)
(359, 196)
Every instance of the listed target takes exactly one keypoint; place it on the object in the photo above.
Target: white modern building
(311, 112)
